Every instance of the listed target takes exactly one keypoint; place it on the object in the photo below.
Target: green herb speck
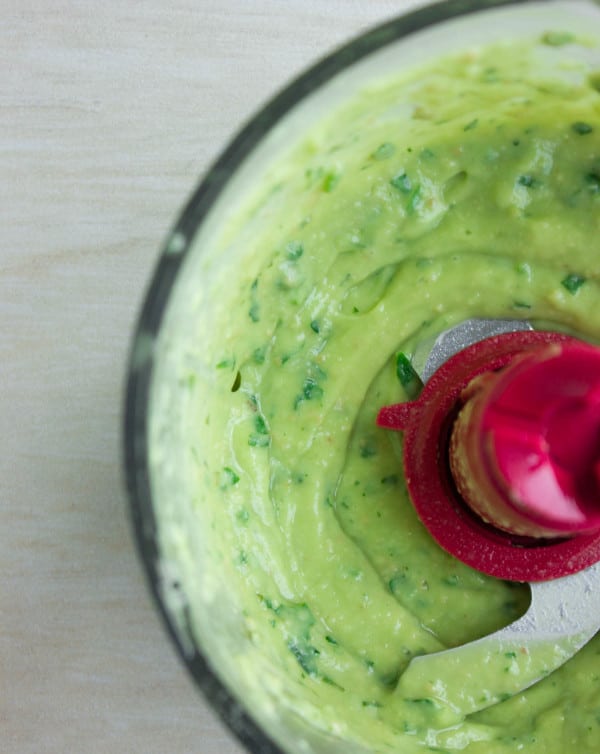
(237, 382)
(330, 181)
(314, 326)
(311, 389)
(368, 448)
(242, 516)
(557, 38)
(294, 250)
(581, 128)
(573, 282)
(228, 478)
(384, 151)
(473, 124)
(409, 379)
(527, 180)
(254, 312)
(258, 441)
(260, 425)
(306, 656)
(451, 580)
(397, 583)
(402, 182)
(593, 182)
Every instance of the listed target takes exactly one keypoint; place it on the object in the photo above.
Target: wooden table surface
(109, 113)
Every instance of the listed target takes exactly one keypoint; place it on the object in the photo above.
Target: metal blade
(564, 614)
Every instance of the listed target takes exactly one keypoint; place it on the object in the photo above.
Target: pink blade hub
(502, 455)
(525, 446)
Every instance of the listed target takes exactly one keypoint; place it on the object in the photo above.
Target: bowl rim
(134, 436)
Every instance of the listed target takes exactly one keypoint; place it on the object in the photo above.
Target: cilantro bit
(330, 181)
(384, 151)
(228, 478)
(260, 438)
(593, 182)
(573, 283)
(237, 382)
(311, 389)
(557, 38)
(294, 250)
(473, 124)
(527, 180)
(582, 128)
(409, 379)
(402, 182)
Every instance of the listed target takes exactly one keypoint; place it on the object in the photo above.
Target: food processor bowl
(160, 409)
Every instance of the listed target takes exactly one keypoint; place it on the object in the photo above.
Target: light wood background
(109, 113)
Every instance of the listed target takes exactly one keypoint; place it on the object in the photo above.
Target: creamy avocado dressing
(468, 189)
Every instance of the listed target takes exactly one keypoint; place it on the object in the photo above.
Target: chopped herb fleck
(228, 478)
(258, 355)
(557, 38)
(409, 379)
(237, 382)
(402, 182)
(294, 250)
(311, 389)
(527, 180)
(521, 305)
(368, 448)
(226, 364)
(254, 312)
(573, 282)
(582, 128)
(391, 480)
(473, 124)
(260, 425)
(593, 182)
(330, 682)
(242, 516)
(260, 437)
(258, 441)
(384, 151)
(330, 181)
(397, 582)
(314, 326)
(413, 199)
(330, 640)
(306, 655)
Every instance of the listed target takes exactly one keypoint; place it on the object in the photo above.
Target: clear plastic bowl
(405, 42)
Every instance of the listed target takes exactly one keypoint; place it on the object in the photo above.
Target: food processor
(500, 422)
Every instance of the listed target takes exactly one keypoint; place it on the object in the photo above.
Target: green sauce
(469, 189)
